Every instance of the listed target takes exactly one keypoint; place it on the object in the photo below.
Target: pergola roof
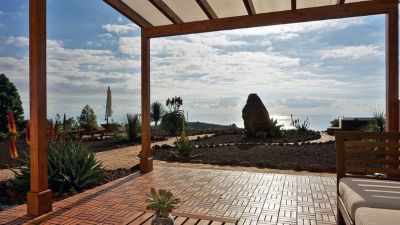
(160, 18)
(166, 12)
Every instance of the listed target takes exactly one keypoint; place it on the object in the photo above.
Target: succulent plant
(162, 202)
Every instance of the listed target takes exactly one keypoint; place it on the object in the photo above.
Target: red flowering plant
(13, 132)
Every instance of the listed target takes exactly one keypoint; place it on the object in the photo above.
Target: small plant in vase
(162, 202)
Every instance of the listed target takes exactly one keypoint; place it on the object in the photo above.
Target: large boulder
(255, 116)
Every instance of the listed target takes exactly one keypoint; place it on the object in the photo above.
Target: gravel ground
(309, 157)
(289, 136)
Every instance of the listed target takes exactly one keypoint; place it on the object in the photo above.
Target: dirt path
(114, 159)
(126, 158)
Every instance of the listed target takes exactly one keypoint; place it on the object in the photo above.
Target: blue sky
(320, 69)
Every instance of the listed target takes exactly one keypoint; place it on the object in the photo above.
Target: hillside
(208, 126)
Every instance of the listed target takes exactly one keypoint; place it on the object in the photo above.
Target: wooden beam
(128, 13)
(166, 10)
(146, 161)
(207, 9)
(249, 7)
(392, 70)
(39, 199)
(294, 4)
(275, 18)
(392, 78)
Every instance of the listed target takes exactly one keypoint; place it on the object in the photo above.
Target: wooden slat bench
(367, 165)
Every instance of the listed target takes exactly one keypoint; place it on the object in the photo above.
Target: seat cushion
(372, 193)
(375, 216)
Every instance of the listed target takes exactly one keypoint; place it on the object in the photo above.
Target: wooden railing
(373, 154)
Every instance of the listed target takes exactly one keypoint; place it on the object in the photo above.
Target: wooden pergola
(162, 18)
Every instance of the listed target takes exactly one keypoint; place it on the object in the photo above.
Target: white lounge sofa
(365, 199)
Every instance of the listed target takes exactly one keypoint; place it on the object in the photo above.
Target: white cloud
(120, 29)
(289, 31)
(18, 41)
(129, 45)
(352, 52)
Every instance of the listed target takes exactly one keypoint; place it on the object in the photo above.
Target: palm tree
(157, 112)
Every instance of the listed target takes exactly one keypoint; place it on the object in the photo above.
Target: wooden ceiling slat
(249, 7)
(363, 8)
(167, 11)
(207, 9)
(294, 4)
(129, 13)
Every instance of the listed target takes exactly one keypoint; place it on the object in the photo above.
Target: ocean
(317, 122)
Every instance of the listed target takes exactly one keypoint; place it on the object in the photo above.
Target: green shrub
(301, 126)
(184, 145)
(132, 127)
(71, 167)
(378, 122)
(273, 129)
(335, 123)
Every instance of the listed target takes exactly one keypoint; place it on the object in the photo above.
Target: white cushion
(375, 216)
(373, 193)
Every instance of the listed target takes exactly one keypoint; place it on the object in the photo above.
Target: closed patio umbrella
(108, 104)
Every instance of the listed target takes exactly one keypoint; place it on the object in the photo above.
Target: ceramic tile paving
(245, 197)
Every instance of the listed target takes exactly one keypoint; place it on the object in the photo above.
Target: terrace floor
(225, 196)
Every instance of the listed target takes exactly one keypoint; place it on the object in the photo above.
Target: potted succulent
(162, 202)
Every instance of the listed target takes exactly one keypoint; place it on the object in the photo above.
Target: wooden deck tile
(207, 196)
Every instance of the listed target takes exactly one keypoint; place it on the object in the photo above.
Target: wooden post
(392, 70)
(392, 76)
(39, 199)
(146, 161)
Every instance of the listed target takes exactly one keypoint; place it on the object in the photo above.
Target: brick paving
(250, 198)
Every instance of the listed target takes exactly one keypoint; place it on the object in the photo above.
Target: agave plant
(71, 167)
(184, 145)
(162, 202)
(378, 122)
(301, 126)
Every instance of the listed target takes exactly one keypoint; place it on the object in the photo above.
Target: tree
(10, 100)
(173, 121)
(157, 112)
(87, 118)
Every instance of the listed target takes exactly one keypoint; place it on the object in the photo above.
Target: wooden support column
(146, 161)
(39, 199)
(392, 76)
(392, 70)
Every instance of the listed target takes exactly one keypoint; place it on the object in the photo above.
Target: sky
(321, 70)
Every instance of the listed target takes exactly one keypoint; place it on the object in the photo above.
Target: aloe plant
(162, 202)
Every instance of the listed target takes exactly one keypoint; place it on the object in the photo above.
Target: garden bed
(288, 136)
(8, 197)
(317, 157)
(93, 145)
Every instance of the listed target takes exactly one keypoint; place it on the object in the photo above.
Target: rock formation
(255, 116)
